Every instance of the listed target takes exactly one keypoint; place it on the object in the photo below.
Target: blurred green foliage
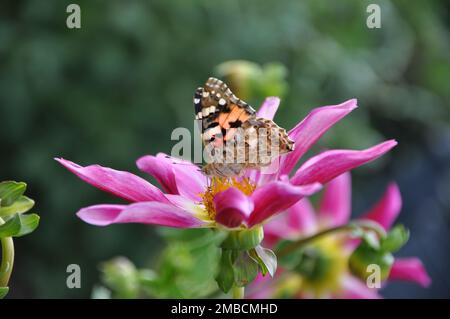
(113, 91)
(185, 269)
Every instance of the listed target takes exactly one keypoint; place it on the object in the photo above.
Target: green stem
(7, 262)
(238, 292)
(365, 225)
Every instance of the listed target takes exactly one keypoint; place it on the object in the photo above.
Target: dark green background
(114, 90)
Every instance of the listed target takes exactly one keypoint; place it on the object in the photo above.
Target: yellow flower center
(325, 276)
(335, 261)
(245, 185)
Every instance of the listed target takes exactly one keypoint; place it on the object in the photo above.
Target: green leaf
(3, 292)
(245, 269)
(225, 276)
(29, 223)
(395, 239)
(267, 260)
(11, 227)
(20, 206)
(19, 225)
(10, 191)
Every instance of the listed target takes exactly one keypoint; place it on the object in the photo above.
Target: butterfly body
(234, 137)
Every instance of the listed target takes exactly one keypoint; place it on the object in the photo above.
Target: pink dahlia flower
(336, 281)
(192, 200)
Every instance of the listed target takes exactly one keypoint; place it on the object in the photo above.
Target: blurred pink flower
(191, 200)
(334, 209)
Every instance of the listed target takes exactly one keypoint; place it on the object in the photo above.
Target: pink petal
(119, 183)
(387, 209)
(269, 108)
(299, 220)
(356, 289)
(330, 164)
(308, 131)
(157, 213)
(253, 175)
(261, 287)
(269, 173)
(277, 229)
(232, 207)
(335, 206)
(302, 218)
(160, 167)
(410, 269)
(175, 175)
(184, 203)
(100, 215)
(190, 182)
(275, 197)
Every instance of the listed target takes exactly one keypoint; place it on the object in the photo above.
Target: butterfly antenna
(187, 164)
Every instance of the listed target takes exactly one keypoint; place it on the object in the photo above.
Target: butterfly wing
(219, 111)
(230, 125)
(264, 141)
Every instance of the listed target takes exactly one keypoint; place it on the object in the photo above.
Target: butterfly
(235, 139)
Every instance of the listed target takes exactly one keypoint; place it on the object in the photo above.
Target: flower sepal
(225, 275)
(266, 259)
(245, 268)
(237, 269)
(245, 239)
(243, 258)
(395, 239)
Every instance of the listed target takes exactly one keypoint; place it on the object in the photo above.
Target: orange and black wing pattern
(219, 111)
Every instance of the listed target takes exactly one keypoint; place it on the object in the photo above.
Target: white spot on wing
(211, 132)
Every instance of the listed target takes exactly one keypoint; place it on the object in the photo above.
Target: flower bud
(366, 255)
(251, 81)
(239, 74)
(121, 275)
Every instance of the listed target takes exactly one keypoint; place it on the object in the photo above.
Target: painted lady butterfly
(233, 136)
